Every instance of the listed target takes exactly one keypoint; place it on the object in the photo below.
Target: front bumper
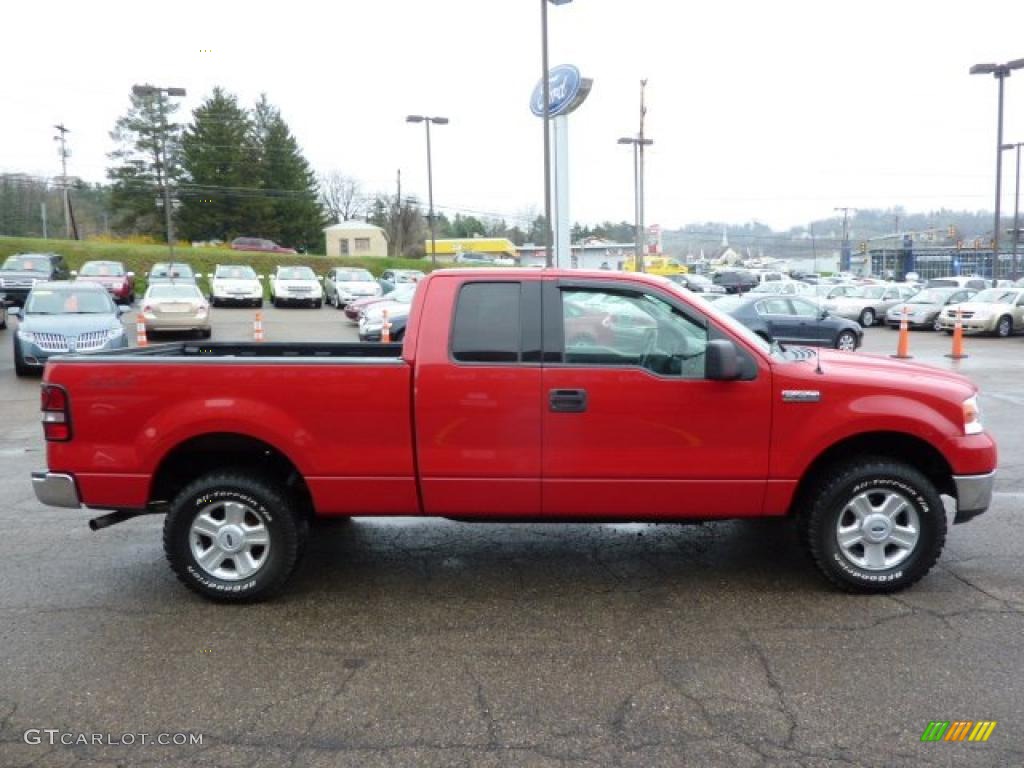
(56, 489)
(970, 325)
(973, 495)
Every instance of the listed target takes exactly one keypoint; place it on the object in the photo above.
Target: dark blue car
(793, 320)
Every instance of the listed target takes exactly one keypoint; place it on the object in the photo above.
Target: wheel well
(210, 452)
(896, 446)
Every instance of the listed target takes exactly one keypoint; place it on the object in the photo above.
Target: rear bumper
(56, 489)
(973, 495)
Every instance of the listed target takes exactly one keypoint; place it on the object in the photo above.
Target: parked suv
(736, 280)
(23, 270)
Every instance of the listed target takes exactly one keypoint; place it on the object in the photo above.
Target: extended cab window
(487, 325)
(625, 329)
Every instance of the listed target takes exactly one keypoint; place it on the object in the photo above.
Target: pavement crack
(777, 688)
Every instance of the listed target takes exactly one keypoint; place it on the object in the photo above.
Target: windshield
(68, 302)
(931, 296)
(174, 292)
(235, 273)
(295, 273)
(25, 263)
(355, 276)
(101, 269)
(995, 296)
(168, 270)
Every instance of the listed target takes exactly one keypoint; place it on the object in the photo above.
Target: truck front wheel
(233, 537)
(873, 525)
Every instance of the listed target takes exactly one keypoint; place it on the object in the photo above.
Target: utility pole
(844, 253)
(398, 217)
(42, 210)
(64, 153)
(639, 142)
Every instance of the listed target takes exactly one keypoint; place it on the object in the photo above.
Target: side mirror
(14, 311)
(263, 277)
(129, 274)
(123, 309)
(823, 315)
(320, 278)
(722, 361)
(74, 273)
(198, 275)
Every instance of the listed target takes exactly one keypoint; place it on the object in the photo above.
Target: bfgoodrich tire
(233, 537)
(873, 525)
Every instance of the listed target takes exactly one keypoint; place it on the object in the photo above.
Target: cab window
(607, 328)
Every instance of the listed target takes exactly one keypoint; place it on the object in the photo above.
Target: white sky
(775, 111)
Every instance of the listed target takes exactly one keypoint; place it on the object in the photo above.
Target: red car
(258, 244)
(484, 413)
(112, 276)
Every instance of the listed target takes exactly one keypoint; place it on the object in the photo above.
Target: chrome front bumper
(973, 495)
(56, 490)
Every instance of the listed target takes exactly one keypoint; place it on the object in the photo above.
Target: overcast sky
(775, 111)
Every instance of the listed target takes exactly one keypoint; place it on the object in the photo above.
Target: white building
(356, 238)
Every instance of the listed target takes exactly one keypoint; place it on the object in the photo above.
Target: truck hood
(286, 284)
(229, 284)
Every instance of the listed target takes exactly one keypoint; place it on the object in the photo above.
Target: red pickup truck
(666, 410)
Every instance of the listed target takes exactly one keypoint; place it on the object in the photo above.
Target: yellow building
(356, 238)
(495, 247)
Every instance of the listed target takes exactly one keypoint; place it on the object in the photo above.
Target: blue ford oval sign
(566, 89)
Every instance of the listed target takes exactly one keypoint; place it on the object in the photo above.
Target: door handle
(567, 400)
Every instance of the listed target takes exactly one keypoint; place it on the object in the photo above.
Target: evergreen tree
(143, 135)
(291, 212)
(219, 156)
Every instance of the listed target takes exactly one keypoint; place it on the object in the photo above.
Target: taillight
(56, 414)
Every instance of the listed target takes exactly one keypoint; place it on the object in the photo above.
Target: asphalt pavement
(433, 643)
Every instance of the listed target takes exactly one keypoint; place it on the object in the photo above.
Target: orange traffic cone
(958, 338)
(903, 347)
(257, 327)
(385, 329)
(140, 332)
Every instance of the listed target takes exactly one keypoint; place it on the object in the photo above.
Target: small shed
(356, 238)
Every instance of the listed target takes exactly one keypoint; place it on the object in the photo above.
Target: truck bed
(337, 351)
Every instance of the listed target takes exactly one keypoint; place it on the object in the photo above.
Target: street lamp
(426, 120)
(638, 142)
(548, 237)
(1000, 72)
(150, 90)
(1016, 209)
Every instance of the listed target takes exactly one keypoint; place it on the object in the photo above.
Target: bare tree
(342, 196)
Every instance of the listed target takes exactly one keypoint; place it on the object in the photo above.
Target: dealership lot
(412, 642)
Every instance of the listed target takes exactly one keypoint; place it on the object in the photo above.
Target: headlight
(972, 416)
(26, 335)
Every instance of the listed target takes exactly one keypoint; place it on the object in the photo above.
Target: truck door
(632, 429)
(477, 398)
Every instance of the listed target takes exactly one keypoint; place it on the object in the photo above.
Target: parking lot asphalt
(433, 643)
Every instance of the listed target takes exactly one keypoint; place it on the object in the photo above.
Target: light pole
(548, 236)
(1016, 210)
(160, 93)
(639, 142)
(1000, 72)
(426, 120)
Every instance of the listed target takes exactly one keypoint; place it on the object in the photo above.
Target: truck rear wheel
(873, 525)
(233, 537)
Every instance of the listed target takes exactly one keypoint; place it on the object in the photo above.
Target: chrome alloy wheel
(878, 529)
(229, 541)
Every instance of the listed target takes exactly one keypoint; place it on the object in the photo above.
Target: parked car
(960, 281)
(62, 317)
(343, 285)
(924, 307)
(473, 257)
(825, 291)
(371, 320)
(999, 311)
(296, 285)
(784, 288)
(867, 303)
(23, 270)
(258, 244)
(120, 284)
(402, 293)
(235, 284)
(391, 278)
(170, 272)
(485, 413)
(176, 307)
(736, 280)
(793, 320)
(696, 283)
